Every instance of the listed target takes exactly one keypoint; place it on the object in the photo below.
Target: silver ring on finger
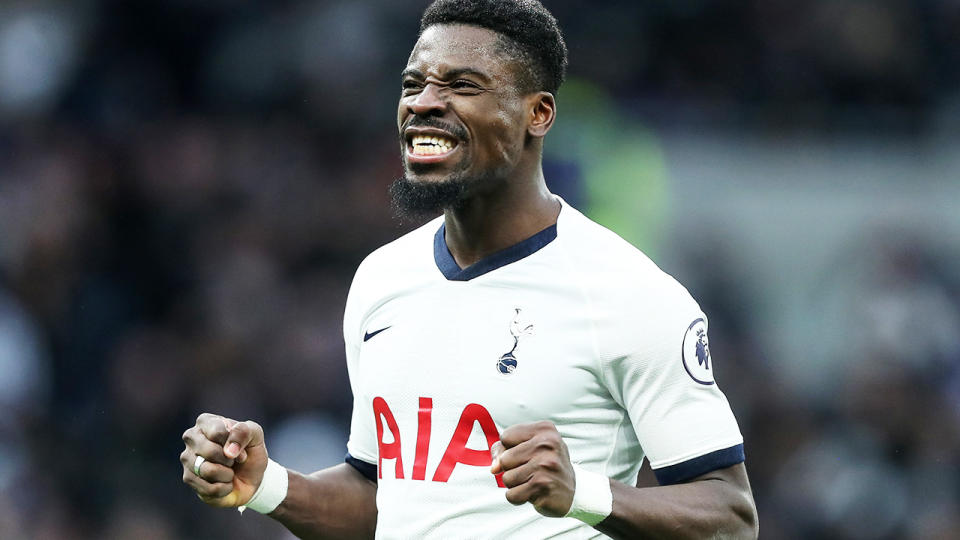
(196, 465)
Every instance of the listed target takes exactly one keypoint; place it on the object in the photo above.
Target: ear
(543, 111)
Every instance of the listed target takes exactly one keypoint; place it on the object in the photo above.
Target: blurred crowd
(186, 189)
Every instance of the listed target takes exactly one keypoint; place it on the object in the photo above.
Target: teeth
(424, 145)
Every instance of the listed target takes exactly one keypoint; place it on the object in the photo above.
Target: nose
(429, 102)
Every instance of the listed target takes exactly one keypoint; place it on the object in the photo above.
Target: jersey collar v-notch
(451, 270)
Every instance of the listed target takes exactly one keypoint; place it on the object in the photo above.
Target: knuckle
(545, 425)
(540, 483)
(510, 434)
(213, 432)
(241, 429)
(550, 463)
(546, 444)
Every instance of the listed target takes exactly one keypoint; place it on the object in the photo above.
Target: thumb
(495, 452)
(242, 435)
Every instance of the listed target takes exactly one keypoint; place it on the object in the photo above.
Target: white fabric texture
(597, 344)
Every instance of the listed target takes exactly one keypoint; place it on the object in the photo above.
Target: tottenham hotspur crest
(508, 362)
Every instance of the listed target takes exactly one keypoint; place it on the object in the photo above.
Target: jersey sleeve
(362, 443)
(663, 377)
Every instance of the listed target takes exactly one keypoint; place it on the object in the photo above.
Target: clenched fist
(536, 467)
(235, 458)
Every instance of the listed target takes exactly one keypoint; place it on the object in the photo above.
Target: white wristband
(592, 497)
(272, 490)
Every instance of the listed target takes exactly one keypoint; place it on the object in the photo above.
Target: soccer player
(512, 362)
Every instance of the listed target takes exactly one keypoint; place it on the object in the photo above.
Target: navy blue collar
(452, 271)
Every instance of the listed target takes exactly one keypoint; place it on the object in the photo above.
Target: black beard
(417, 200)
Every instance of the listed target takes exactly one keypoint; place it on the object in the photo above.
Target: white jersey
(572, 325)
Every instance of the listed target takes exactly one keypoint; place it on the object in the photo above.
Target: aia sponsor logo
(456, 452)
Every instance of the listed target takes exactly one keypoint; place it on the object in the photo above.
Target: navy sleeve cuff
(682, 472)
(367, 469)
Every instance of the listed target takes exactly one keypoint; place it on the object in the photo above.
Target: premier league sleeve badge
(696, 353)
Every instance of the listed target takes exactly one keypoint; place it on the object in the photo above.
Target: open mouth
(430, 147)
(422, 145)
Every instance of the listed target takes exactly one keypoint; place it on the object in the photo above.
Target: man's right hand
(235, 459)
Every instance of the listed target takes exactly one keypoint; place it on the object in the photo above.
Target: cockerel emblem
(518, 329)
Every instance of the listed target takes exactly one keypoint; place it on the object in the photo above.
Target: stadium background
(186, 188)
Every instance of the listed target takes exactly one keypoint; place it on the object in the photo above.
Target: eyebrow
(450, 74)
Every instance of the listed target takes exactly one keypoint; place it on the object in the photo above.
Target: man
(512, 363)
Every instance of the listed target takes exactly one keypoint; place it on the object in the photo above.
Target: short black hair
(530, 34)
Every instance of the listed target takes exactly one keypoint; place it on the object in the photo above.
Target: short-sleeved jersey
(573, 325)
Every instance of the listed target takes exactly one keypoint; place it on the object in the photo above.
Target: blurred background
(187, 187)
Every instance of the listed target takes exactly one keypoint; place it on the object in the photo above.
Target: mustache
(429, 122)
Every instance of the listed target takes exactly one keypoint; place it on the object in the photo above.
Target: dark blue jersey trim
(368, 470)
(681, 472)
(450, 270)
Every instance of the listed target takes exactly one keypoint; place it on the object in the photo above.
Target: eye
(410, 85)
(462, 84)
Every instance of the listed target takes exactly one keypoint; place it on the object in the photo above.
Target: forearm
(333, 503)
(716, 505)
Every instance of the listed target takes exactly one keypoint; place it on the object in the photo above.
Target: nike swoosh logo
(368, 335)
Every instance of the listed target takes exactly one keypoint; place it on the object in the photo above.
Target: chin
(417, 195)
(427, 175)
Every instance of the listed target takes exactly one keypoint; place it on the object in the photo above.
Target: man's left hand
(536, 467)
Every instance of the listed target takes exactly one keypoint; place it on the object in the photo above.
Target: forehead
(446, 47)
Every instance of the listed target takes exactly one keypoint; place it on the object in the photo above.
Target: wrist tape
(272, 490)
(592, 497)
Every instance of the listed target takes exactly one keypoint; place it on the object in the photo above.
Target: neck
(489, 222)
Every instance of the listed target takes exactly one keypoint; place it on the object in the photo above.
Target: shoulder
(610, 265)
(411, 251)
(403, 264)
(632, 299)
